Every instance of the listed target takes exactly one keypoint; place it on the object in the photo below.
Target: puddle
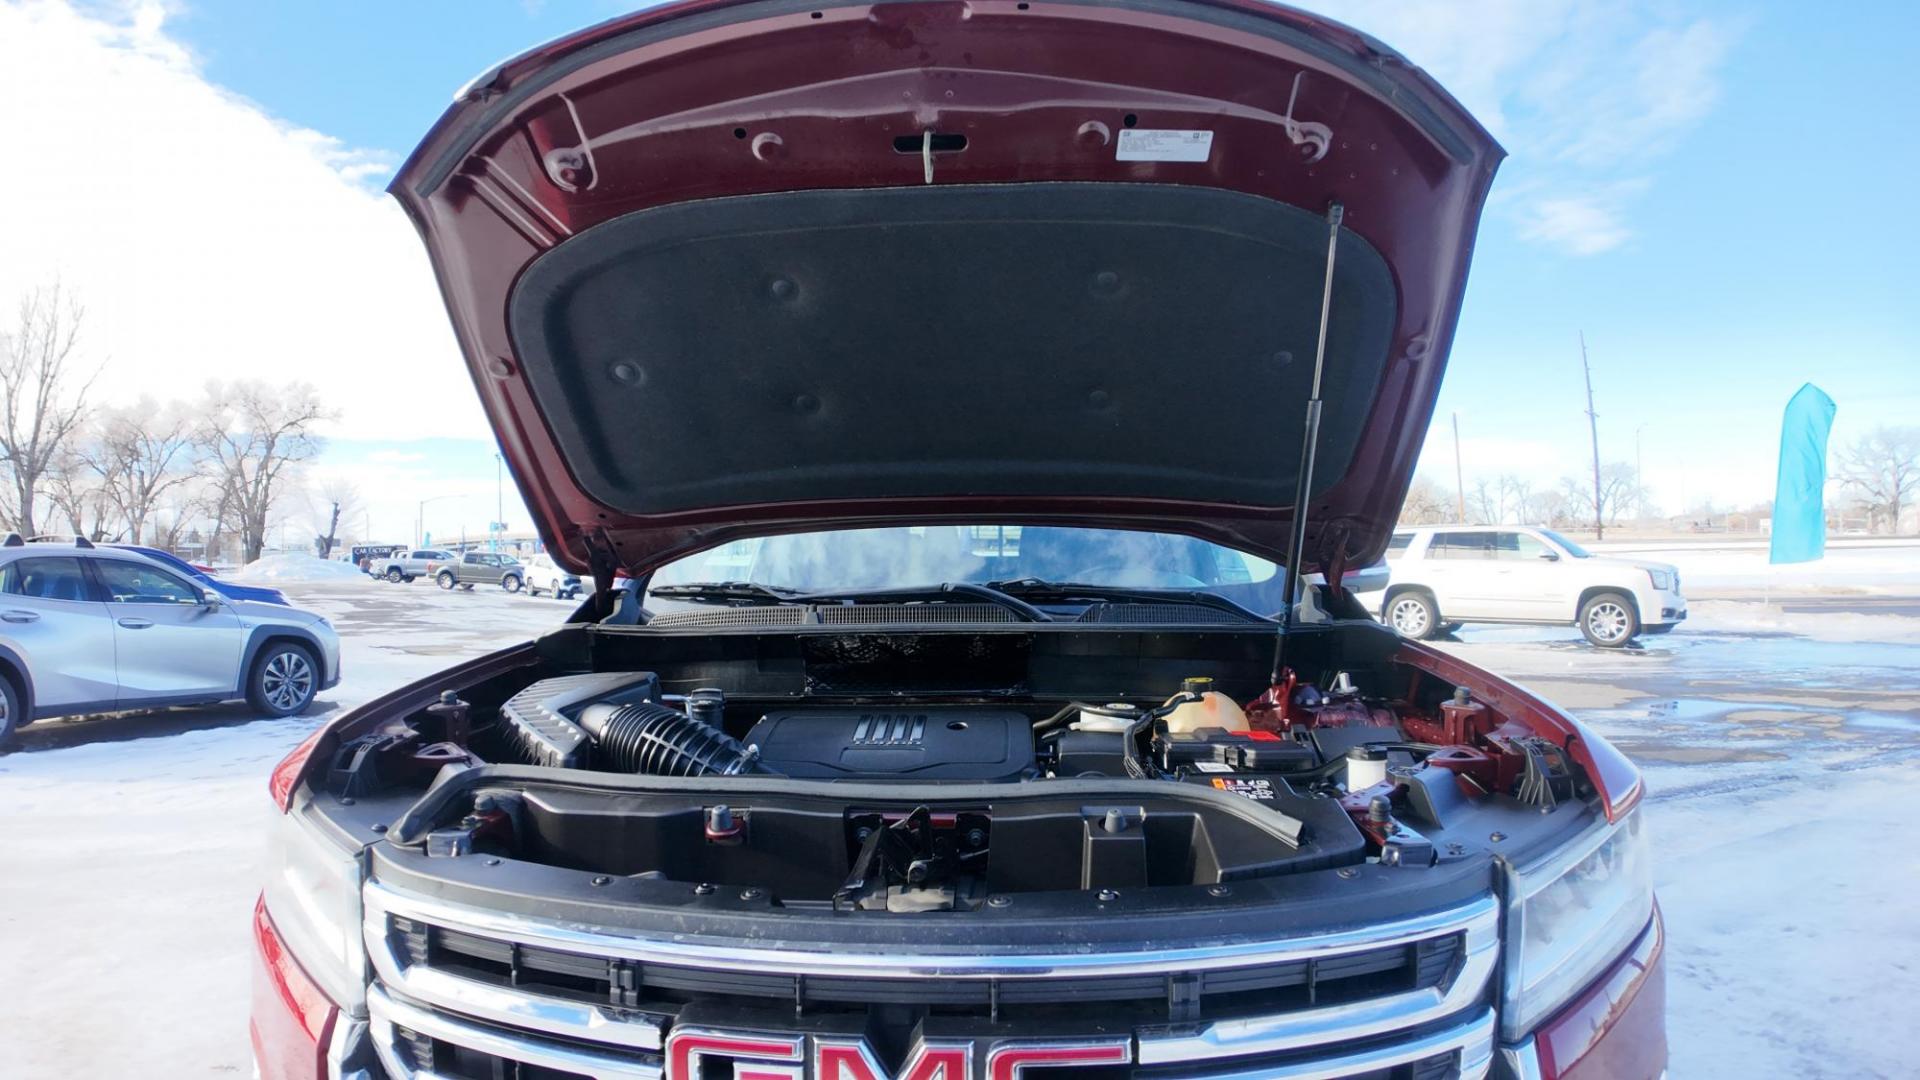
(1693, 755)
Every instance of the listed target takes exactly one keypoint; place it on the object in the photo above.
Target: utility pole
(499, 498)
(1639, 478)
(1593, 428)
(1459, 477)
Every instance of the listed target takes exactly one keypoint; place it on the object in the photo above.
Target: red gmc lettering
(851, 1059)
(1009, 1060)
(776, 1057)
(765, 1053)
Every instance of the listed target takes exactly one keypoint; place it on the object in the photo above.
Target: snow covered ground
(1888, 566)
(1776, 740)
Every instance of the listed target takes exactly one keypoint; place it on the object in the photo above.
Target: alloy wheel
(1608, 621)
(287, 680)
(1409, 616)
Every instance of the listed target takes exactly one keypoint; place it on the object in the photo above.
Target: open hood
(731, 268)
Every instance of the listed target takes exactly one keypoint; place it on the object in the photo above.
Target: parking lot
(1778, 729)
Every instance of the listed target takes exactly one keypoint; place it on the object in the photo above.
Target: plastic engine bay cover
(887, 744)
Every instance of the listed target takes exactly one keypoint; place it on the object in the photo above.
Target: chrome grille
(1404, 1000)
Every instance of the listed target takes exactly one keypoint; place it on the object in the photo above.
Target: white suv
(1445, 575)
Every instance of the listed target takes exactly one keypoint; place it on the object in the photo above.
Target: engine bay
(937, 797)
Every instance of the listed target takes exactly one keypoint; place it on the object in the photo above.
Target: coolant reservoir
(1213, 710)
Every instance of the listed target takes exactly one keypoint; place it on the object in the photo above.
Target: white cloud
(1579, 224)
(1585, 94)
(208, 238)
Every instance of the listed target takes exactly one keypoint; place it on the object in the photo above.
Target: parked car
(963, 718)
(545, 575)
(408, 565)
(1445, 575)
(86, 628)
(230, 589)
(481, 568)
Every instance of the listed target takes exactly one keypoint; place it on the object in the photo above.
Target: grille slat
(1221, 993)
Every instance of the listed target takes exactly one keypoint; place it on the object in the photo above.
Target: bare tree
(1483, 502)
(1427, 503)
(1882, 469)
(1513, 492)
(1548, 507)
(77, 492)
(42, 399)
(1616, 492)
(336, 501)
(142, 452)
(256, 437)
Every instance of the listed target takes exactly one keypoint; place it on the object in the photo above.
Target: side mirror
(211, 601)
(1550, 556)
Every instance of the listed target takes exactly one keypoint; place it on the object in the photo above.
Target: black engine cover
(896, 744)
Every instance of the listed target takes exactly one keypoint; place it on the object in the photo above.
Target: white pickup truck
(1444, 575)
(407, 565)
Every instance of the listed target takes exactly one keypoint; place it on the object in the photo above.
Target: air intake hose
(644, 737)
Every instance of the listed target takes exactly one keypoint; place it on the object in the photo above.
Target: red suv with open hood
(985, 400)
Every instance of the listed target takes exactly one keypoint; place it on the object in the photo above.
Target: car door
(51, 615)
(481, 569)
(1458, 567)
(167, 643)
(1531, 582)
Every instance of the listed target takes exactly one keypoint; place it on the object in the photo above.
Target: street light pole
(1459, 477)
(420, 518)
(499, 498)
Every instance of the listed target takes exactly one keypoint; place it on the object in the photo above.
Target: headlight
(1662, 579)
(313, 894)
(1570, 916)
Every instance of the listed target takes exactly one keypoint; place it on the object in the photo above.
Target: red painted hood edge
(1614, 776)
(1351, 519)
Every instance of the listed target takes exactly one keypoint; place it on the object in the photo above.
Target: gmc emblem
(823, 1057)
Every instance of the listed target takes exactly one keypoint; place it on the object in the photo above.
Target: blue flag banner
(1799, 506)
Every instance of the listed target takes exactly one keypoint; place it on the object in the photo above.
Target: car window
(131, 583)
(1461, 545)
(1517, 546)
(1399, 542)
(46, 579)
(471, 560)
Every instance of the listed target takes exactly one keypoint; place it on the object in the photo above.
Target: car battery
(1217, 750)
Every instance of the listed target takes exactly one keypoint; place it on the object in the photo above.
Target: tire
(446, 580)
(1608, 620)
(11, 712)
(511, 583)
(283, 679)
(395, 576)
(1413, 613)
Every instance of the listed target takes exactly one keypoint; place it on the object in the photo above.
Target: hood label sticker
(1145, 144)
(1259, 789)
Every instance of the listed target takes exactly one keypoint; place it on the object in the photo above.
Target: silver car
(86, 629)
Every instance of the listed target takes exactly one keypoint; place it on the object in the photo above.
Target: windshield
(905, 556)
(1567, 545)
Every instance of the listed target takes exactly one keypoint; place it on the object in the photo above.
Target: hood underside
(725, 269)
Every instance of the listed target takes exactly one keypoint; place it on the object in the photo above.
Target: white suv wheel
(1607, 620)
(1411, 615)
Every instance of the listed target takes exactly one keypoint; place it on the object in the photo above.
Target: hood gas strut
(1309, 443)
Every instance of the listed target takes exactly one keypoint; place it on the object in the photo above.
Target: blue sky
(1718, 194)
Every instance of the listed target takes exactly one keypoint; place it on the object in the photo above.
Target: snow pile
(1880, 568)
(297, 568)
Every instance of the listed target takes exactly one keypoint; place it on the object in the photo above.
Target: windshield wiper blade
(1080, 590)
(748, 591)
(941, 591)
